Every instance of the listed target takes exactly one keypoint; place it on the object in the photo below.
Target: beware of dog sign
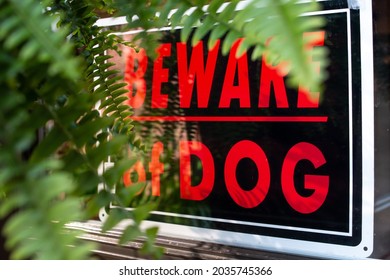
(239, 158)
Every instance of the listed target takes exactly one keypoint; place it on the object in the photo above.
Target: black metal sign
(238, 157)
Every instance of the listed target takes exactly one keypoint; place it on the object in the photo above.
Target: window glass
(181, 138)
(382, 128)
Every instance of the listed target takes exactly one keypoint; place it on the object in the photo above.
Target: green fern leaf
(189, 23)
(129, 234)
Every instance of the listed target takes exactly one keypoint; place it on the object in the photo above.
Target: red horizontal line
(231, 118)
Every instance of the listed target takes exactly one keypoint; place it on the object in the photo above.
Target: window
(381, 19)
(242, 162)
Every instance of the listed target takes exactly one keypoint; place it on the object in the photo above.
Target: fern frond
(282, 25)
(274, 28)
(31, 55)
(256, 22)
(28, 30)
(44, 184)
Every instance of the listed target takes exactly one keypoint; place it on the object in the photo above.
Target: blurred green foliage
(54, 137)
